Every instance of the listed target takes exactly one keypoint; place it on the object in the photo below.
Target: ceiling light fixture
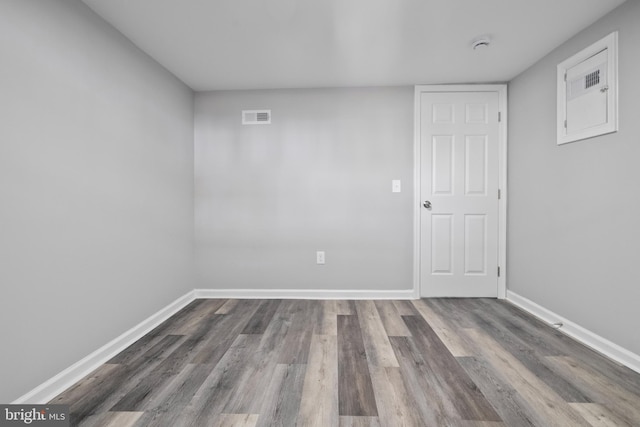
(480, 42)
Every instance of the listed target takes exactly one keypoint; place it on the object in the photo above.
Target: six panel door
(459, 191)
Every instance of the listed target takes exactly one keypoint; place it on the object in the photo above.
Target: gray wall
(574, 210)
(319, 178)
(96, 188)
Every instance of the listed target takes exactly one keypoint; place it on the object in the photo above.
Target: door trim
(501, 89)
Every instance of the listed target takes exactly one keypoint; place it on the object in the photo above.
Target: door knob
(427, 204)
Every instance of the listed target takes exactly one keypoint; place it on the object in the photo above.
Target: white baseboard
(577, 332)
(405, 294)
(65, 379)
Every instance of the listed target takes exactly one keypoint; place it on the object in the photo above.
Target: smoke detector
(481, 42)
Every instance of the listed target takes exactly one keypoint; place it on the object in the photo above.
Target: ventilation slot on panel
(592, 79)
(586, 82)
(256, 117)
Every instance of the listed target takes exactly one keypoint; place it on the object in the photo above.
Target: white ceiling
(256, 44)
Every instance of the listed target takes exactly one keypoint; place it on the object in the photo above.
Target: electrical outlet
(320, 257)
(396, 186)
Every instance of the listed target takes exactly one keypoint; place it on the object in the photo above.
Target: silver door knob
(427, 204)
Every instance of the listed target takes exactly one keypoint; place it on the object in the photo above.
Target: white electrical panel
(587, 92)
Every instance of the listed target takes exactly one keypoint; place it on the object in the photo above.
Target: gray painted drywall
(574, 210)
(267, 197)
(96, 188)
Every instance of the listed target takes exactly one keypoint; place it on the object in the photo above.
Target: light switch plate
(396, 186)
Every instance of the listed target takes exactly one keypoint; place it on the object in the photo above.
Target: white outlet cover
(396, 186)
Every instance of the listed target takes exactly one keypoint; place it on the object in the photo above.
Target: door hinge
(565, 77)
(565, 124)
(499, 194)
(499, 116)
(498, 271)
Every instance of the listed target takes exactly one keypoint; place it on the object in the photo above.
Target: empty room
(319, 213)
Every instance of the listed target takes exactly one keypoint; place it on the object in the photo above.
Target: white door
(459, 175)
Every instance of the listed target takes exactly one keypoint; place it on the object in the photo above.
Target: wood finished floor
(441, 362)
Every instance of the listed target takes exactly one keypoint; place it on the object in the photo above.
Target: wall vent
(256, 117)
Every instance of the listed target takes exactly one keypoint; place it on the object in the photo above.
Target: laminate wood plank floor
(430, 362)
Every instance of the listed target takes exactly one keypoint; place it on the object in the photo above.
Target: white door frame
(501, 89)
